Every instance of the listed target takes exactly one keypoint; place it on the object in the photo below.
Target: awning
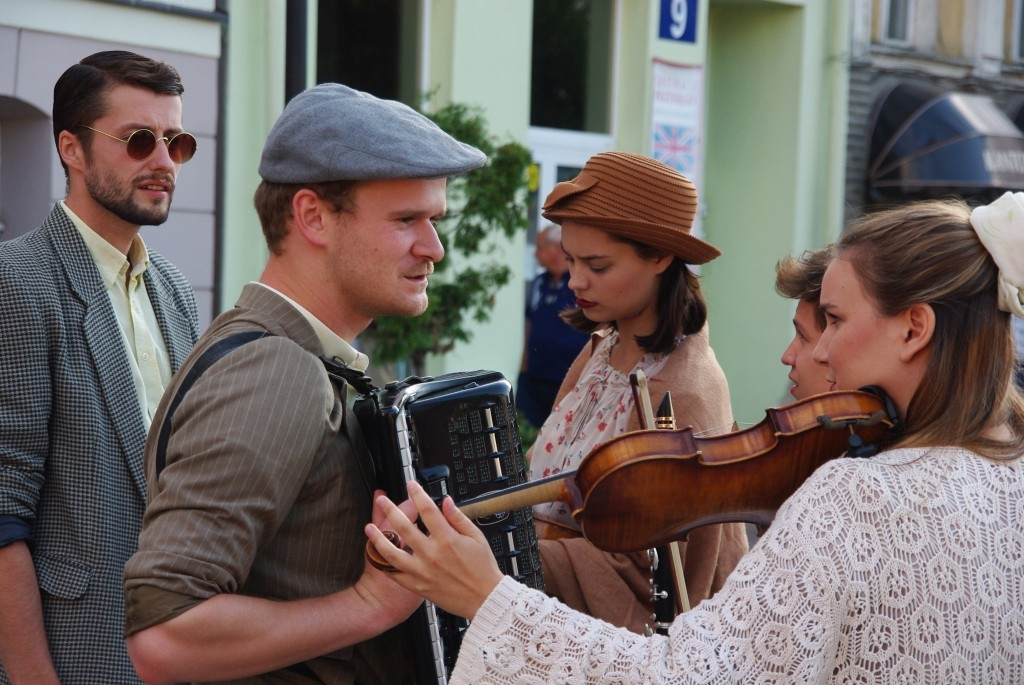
(928, 143)
(1016, 113)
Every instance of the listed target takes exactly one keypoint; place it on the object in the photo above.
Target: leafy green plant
(486, 207)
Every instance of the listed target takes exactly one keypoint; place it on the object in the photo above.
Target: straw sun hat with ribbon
(634, 197)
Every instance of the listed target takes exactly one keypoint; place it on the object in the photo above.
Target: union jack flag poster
(676, 146)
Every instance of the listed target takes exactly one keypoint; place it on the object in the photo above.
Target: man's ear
(71, 150)
(309, 213)
(920, 327)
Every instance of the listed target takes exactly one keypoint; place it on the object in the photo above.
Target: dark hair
(927, 253)
(680, 304)
(80, 94)
(799, 278)
(273, 202)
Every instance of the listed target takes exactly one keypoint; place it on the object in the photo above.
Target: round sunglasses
(140, 144)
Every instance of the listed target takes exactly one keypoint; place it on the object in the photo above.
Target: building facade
(39, 40)
(748, 98)
(937, 91)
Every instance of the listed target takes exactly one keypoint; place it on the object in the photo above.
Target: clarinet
(668, 586)
(666, 564)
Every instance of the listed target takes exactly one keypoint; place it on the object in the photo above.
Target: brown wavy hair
(926, 252)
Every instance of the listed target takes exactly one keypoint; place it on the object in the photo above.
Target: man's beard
(105, 189)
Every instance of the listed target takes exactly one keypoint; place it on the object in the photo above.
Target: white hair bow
(1000, 226)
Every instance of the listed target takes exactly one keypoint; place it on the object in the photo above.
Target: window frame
(1017, 33)
(886, 35)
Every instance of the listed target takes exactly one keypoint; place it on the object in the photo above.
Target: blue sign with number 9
(678, 20)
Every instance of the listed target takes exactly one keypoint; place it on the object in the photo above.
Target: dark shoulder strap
(205, 361)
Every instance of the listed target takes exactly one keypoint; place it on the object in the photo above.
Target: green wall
(480, 55)
(769, 179)
(774, 150)
(254, 100)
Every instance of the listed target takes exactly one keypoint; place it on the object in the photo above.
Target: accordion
(457, 435)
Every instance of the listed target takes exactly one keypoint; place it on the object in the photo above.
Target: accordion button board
(457, 435)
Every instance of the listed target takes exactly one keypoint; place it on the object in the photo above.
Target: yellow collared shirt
(123, 279)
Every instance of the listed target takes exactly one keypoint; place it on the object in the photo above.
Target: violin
(650, 487)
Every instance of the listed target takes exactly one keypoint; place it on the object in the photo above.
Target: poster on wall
(677, 128)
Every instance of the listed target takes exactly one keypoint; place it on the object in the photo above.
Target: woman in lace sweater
(907, 567)
(628, 248)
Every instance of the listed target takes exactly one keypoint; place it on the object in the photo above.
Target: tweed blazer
(72, 435)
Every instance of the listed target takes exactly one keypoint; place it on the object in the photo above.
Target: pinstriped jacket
(72, 435)
(267, 486)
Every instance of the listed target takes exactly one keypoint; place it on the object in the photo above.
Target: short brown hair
(799, 278)
(80, 94)
(273, 203)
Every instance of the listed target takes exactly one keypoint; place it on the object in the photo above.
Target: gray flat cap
(331, 132)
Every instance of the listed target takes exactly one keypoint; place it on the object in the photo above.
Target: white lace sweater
(904, 568)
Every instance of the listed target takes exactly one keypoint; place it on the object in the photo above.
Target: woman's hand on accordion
(453, 566)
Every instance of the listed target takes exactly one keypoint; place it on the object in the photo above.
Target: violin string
(720, 429)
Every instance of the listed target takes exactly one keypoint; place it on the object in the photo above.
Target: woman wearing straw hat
(626, 223)
(905, 567)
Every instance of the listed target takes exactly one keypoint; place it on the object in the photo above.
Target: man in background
(550, 345)
(92, 326)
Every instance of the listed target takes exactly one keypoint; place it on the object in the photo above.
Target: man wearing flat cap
(250, 566)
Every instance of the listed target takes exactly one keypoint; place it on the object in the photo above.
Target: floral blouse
(597, 409)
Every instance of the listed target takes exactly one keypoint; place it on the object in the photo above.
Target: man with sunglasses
(251, 562)
(92, 327)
